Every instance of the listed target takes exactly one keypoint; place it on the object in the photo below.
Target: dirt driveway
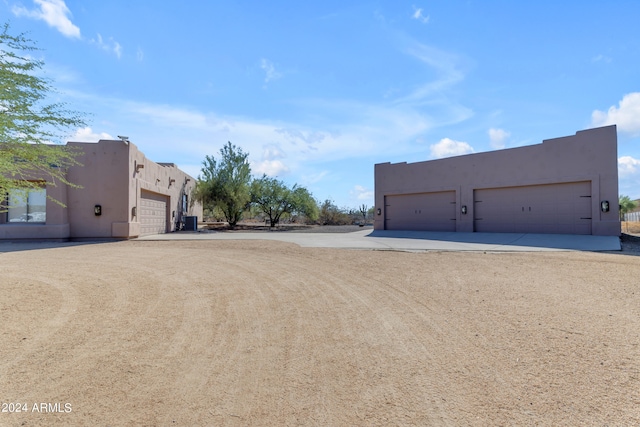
(237, 333)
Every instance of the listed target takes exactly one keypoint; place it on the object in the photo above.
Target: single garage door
(153, 213)
(553, 209)
(421, 211)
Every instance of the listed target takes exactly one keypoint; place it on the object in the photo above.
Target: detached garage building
(565, 185)
(123, 195)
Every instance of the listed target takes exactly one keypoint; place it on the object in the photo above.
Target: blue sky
(318, 93)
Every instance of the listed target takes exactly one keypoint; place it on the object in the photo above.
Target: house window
(27, 206)
(185, 205)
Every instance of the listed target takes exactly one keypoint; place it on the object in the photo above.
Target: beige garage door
(153, 213)
(554, 209)
(421, 211)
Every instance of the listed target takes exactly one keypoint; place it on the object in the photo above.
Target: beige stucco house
(123, 195)
(565, 185)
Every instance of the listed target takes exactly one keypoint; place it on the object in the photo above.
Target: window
(27, 206)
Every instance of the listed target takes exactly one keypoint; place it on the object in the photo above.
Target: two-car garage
(434, 211)
(549, 209)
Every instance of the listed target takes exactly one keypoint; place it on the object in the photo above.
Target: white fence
(632, 216)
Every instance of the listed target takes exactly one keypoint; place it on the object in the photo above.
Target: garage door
(554, 209)
(153, 213)
(421, 211)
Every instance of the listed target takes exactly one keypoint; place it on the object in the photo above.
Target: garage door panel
(553, 208)
(421, 211)
(153, 213)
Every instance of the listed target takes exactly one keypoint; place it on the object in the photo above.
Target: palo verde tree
(274, 199)
(225, 183)
(31, 129)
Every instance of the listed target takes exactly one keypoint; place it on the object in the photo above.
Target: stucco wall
(108, 177)
(160, 178)
(103, 177)
(115, 172)
(589, 155)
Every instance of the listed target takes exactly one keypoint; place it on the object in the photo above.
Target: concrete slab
(417, 240)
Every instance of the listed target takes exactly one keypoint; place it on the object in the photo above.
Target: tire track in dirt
(381, 330)
(387, 336)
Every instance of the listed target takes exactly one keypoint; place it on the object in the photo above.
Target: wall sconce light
(463, 210)
(171, 181)
(379, 211)
(97, 210)
(604, 206)
(157, 180)
(139, 166)
(187, 180)
(134, 211)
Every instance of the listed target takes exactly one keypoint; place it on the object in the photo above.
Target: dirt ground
(238, 333)
(630, 227)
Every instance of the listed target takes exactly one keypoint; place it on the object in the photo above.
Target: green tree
(225, 184)
(305, 204)
(626, 205)
(274, 199)
(31, 129)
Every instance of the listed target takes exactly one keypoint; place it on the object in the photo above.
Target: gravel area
(630, 243)
(297, 228)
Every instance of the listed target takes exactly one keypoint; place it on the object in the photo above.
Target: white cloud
(601, 58)
(448, 147)
(272, 152)
(627, 165)
(444, 64)
(418, 15)
(314, 178)
(109, 46)
(362, 193)
(140, 55)
(54, 12)
(498, 137)
(270, 70)
(269, 168)
(86, 134)
(626, 115)
(271, 163)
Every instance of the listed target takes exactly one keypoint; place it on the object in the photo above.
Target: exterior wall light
(171, 181)
(463, 210)
(134, 211)
(379, 211)
(604, 206)
(97, 210)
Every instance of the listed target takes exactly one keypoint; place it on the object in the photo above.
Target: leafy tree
(305, 203)
(274, 199)
(626, 205)
(225, 184)
(28, 123)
